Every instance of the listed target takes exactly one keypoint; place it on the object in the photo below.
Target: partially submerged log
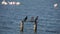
(21, 26)
(32, 20)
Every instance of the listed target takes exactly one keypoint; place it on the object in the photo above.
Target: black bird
(36, 18)
(25, 18)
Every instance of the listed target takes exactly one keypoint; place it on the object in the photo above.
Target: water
(48, 22)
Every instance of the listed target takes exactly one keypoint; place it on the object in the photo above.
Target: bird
(4, 2)
(36, 18)
(25, 18)
(55, 5)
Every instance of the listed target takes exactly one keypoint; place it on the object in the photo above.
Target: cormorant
(25, 18)
(36, 18)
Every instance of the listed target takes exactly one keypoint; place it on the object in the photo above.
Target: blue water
(48, 22)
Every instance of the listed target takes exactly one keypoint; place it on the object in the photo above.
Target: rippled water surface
(48, 22)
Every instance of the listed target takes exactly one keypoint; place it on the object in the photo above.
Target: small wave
(3, 27)
(51, 31)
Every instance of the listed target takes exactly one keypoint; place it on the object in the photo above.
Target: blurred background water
(48, 22)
